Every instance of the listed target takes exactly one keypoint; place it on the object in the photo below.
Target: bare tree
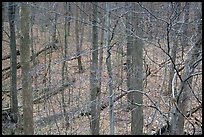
(135, 69)
(101, 52)
(95, 110)
(175, 43)
(106, 60)
(137, 120)
(185, 36)
(78, 45)
(25, 62)
(129, 38)
(192, 60)
(109, 68)
(64, 66)
(69, 18)
(14, 99)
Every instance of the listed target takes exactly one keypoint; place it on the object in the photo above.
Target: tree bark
(13, 72)
(129, 50)
(69, 19)
(185, 86)
(101, 53)
(64, 68)
(174, 49)
(95, 110)
(26, 83)
(109, 68)
(137, 120)
(78, 46)
(135, 71)
(184, 38)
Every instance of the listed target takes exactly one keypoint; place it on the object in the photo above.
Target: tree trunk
(54, 29)
(95, 110)
(135, 71)
(14, 99)
(137, 120)
(3, 6)
(82, 26)
(174, 49)
(101, 54)
(129, 50)
(78, 47)
(26, 83)
(69, 19)
(184, 37)
(109, 68)
(31, 36)
(64, 68)
(185, 87)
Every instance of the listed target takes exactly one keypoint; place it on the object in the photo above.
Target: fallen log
(104, 105)
(74, 113)
(49, 93)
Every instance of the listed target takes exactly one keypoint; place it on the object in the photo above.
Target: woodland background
(101, 68)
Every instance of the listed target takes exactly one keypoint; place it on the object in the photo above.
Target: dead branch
(166, 128)
(7, 68)
(49, 93)
(9, 56)
(7, 74)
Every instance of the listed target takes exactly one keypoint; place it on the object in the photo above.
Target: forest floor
(47, 114)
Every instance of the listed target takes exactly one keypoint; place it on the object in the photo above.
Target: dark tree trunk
(14, 100)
